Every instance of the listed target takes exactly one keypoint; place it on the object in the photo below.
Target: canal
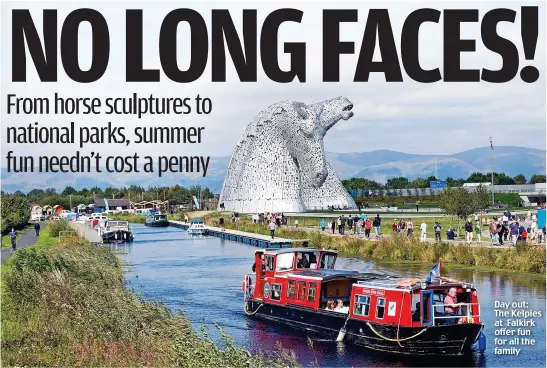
(201, 276)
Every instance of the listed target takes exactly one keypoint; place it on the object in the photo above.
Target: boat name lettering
(373, 292)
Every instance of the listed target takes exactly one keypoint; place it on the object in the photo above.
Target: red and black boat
(298, 286)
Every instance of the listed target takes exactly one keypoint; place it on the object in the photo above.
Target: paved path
(407, 214)
(485, 243)
(27, 239)
(88, 233)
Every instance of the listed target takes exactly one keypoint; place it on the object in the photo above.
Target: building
(102, 205)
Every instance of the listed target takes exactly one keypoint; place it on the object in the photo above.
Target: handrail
(469, 314)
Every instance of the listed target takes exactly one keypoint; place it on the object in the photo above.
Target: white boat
(116, 232)
(197, 227)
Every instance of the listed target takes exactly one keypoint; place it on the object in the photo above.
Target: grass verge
(65, 304)
(524, 258)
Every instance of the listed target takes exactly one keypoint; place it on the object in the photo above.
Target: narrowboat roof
(296, 250)
(328, 274)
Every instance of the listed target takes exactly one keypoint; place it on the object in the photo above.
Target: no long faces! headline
(252, 44)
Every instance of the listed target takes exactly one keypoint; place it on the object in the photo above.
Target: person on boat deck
(330, 305)
(262, 263)
(452, 307)
(302, 262)
(340, 307)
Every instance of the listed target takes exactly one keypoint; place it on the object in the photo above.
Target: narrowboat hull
(437, 340)
(118, 236)
(160, 223)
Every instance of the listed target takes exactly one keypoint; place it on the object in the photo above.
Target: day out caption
(514, 326)
(260, 41)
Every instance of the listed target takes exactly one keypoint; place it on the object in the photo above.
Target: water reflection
(201, 276)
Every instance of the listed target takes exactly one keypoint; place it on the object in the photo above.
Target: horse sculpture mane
(279, 163)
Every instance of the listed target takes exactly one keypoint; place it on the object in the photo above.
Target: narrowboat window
(302, 290)
(290, 289)
(269, 263)
(285, 261)
(362, 305)
(276, 292)
(311, 291)
(327, 261)
(380, 307)
(302, 260)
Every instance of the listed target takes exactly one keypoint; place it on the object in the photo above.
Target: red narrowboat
(300, 288)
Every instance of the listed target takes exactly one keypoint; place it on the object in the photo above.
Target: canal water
(201, 276)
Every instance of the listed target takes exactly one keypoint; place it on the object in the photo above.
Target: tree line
(476, 177)
(175, 194)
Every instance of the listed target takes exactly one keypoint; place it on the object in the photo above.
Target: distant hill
(376, 165)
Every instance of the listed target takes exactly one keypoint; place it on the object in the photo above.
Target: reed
(65, 304)
(524, 258)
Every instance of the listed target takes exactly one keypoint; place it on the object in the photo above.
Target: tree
(451, 182)
(481, 197)
(519, 179)
(50, 191)
(503, 179)
(534, 179)
(458, 202)
(478, 177)
(14, 212)
(397, 183)
(68, 191)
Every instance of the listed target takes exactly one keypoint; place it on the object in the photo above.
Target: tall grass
(65, 304)
(397, 247)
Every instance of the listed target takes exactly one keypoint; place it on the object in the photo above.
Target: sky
(438, 118)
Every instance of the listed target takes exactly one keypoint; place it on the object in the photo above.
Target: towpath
(88, 233)
(26, 240)
(486, 243)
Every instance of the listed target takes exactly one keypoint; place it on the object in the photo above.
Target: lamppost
(492, 164)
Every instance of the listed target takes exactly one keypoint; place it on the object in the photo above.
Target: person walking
(410, 228)
(437, 229)
(333, 226)
(13, 237)
(468, 231)
(478, 231)
(272, 228)
(423, 231)
(323, 224)
(368, 226)
(377, 223)
(514, 229)
(493, 231)
(340, 225)
(37, 229)
(296, 223)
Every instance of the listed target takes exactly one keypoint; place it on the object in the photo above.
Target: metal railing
(464, 308)
(63, 234)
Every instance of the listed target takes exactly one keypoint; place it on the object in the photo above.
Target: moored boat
(117, 232)
(156, 220)
(299, 287)
(197, 227)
